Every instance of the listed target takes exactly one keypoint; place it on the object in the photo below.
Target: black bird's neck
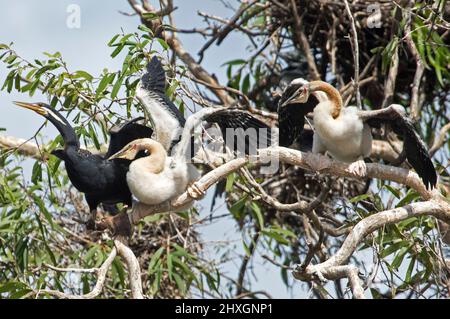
(65, 129)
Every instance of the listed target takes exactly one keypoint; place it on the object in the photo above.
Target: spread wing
(125, 133)
(414, 148)
(167, 119)
(235, 124)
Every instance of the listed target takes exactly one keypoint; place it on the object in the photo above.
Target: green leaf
(394, 191)
(155, 258)
(246, 84)
(246, 249)
(272, 234)
(163, 43)
(116, 87)
(83, 74)
(149, 16)
(359, 198)
(144, 28)
(170, 266)
(258, 214)
(408, 199)
(234, 62)
(230, 181)
(114, 38)
(107, 78)
(36, 175)
(399, 257)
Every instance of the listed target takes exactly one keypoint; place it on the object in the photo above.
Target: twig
(355, 54)
(440, 140)
(420, 68)
(304, 44)
(101, 278)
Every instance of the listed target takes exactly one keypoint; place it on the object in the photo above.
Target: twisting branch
(355, 47)
(284, 155)
(440, 140)
(134, 273)
(101, 278)
(420, 68)
(134, 270)
(334, 268)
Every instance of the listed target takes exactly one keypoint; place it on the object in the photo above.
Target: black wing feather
(238, 119)
(154, 81)
(155, 77)
(415, 149)
(126, 133)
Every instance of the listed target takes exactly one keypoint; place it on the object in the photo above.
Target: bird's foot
(358, 168)
(195, 191)
(317, 162)
(118, 225)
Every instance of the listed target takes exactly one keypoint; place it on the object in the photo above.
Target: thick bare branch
(134, 270)
(22, 146)
(293, 157)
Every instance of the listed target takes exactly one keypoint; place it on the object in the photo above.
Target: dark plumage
(101, 180)
(292, 116)
(240, 122)
(414, 148)
(171, 126)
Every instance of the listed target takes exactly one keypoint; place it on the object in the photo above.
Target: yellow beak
(32, 106)
(128, 152)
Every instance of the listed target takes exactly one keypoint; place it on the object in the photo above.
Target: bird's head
(296, 92)
(131, 151)
(44, 110)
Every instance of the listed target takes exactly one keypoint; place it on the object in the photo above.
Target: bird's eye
(304, 90)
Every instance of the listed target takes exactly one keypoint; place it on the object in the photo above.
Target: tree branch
(196, 69)
(355, 48)
(332, 268)
(101, 278)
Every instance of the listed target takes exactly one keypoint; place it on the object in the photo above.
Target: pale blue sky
(38, 26)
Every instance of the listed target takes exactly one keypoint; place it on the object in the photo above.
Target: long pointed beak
(127, 152)
(32, 106)
(290, 99)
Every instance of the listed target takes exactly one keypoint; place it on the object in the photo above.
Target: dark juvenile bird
(101, 180)
(345, 131)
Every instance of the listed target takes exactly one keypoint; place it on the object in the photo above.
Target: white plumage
(344, 132)
(346, 137)
(153, 179)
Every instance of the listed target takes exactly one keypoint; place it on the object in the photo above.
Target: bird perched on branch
(101, 180)
(159, 177)
(345, 131)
